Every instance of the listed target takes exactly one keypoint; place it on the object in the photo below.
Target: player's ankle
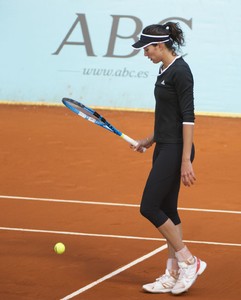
(184, 255)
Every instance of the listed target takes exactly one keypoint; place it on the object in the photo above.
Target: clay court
(65, 180)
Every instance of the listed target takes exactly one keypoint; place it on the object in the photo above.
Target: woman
(173, 154)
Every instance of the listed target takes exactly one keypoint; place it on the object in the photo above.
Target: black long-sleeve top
(174, 102)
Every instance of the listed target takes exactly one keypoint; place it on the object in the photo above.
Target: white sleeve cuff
(188, 123)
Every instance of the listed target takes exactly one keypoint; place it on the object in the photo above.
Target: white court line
(114, 236)
(112, 274)
(113, 204)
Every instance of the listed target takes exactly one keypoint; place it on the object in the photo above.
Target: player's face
(153, 53)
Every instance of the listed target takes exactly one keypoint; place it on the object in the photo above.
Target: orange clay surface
(48, 153)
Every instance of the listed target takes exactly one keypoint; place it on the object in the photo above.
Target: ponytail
(176, 34)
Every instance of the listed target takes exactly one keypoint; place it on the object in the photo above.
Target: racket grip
(131, 141)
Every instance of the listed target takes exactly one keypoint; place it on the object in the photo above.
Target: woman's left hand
(187, 173)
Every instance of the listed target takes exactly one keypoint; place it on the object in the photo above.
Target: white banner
(82, 49)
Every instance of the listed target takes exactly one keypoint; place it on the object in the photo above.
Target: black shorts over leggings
(160, 196)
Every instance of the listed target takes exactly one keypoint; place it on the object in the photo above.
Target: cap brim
(146, 40)
(139, 45)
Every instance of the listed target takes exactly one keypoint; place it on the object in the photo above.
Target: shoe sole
(156, 292)
(148, 289)
(202, 268)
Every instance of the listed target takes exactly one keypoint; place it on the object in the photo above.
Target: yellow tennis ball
(59, 248)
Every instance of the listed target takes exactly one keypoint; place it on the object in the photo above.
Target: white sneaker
(163, 284)
(188, 275)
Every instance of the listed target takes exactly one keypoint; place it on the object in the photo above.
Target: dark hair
(170, 28)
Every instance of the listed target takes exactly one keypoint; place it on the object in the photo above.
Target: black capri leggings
(160, 196)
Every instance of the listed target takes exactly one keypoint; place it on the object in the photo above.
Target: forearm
(187, 141)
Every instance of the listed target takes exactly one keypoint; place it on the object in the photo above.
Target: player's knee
(144, 212)
(149, 214)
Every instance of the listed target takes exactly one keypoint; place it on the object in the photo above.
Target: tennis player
(173, 154)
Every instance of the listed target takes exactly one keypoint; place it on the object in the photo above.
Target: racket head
(89, 114)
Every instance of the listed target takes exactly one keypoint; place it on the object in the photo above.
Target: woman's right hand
(144, 143)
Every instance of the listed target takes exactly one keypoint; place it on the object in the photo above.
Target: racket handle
(131, 141)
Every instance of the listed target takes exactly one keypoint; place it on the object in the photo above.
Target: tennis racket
(92, 116)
